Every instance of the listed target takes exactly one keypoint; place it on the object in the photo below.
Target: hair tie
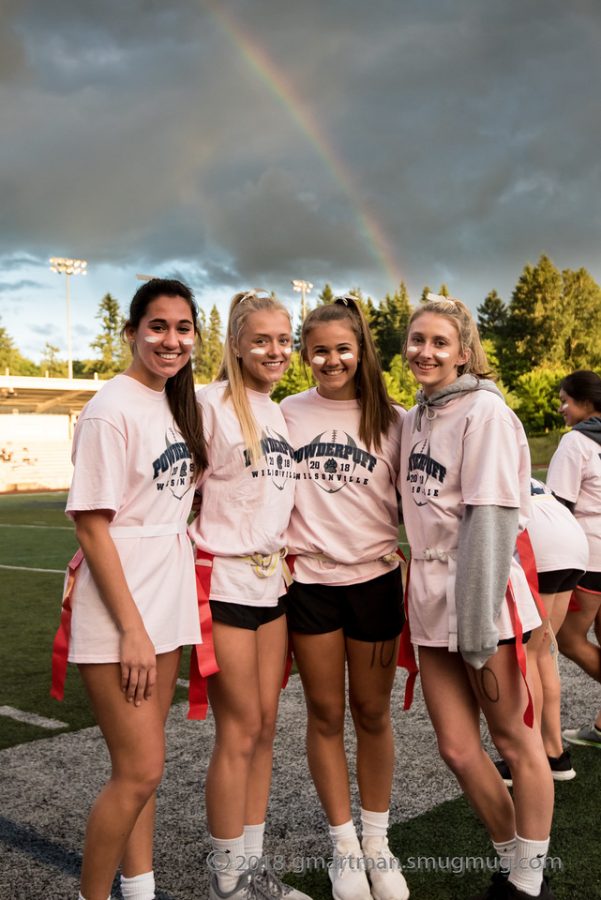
(440, 298)
(258, 293)
(346, 299)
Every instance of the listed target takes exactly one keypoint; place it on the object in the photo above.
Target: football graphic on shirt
(332, 463)
(417, 474)
(177, 477)
(279, 461)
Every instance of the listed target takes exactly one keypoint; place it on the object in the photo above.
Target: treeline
(550, 326)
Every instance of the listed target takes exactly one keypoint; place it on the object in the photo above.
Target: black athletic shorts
(525, 638)
(240, 615)
(369, 611)
(558, 581)
(591, 582)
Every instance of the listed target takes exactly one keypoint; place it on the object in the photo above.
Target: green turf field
(35, 533)
(445, 850)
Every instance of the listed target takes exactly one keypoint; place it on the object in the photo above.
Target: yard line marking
(28, 569)
(18, 525)
(181, 682)
(31, 718)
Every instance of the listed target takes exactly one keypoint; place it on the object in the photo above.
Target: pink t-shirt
(245, 506)
(345, 517)
(557, 539)
(575, 474)
(473, 451)
(130, 459)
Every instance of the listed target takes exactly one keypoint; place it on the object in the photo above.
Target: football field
(53, 761)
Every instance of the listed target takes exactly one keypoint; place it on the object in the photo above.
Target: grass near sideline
(29, 615)
(445, 851)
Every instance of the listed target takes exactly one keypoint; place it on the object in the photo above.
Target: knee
(239, 738)
(372, 717)
(266, 734)
(326, 719)
(142, 780)
(460, 758)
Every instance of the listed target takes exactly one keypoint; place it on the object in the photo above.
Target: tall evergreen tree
(326, 295)
(492, 317)
(581, 322)
(534, 322)
(12, 359)
(113, 356)
(390, 322)
(207, 362)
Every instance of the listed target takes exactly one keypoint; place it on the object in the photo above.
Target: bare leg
(235, 700)
(573, 635)
(135, 739)
(137, 858)
(372, 667)
(502, 696)
(321, 664)
(455, 715)
(271, 658)
(556, 605)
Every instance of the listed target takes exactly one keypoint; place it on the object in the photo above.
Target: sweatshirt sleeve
(487, 536)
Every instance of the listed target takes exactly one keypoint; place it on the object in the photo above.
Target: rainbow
(300, 112)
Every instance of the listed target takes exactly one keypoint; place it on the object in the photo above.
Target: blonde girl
(465, 487)
(246, 495)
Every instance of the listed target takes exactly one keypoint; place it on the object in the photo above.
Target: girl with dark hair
(245, 499)
(465, 489)
(574, 476)
(345, 604)
(130, 602)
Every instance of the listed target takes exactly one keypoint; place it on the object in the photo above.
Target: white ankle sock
(506, 853)
(344, 832)
(374, 824)
(529, 865)
(229, 861)
(253, 842)
(138, 887)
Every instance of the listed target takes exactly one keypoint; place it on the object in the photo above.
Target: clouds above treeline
(253, 141)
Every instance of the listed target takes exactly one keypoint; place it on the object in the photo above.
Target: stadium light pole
(302, 288)
(67, 267)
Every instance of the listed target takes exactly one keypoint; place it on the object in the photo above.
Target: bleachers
(35, 466)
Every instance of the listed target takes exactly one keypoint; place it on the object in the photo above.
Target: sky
(245, 143)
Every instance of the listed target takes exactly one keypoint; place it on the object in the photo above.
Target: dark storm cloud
(7, 287)
(142, 131)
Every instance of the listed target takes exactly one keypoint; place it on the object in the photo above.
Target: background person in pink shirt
(246, 495)
(345, 604)
(574, 476)
(137, 450)
(561, 556)
(465, 488)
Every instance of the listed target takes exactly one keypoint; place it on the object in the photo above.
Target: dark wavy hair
(179, 389)
(582, 386)
(377, 408)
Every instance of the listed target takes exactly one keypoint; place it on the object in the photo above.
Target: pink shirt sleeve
(99, 458)
(566, 469)
(491, 463)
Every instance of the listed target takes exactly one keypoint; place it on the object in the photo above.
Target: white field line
(54, 527)
(29, 569)
(31, 718)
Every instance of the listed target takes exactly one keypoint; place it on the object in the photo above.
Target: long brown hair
(243, 304)
(377, 408)
(469, 337)
(179, 389)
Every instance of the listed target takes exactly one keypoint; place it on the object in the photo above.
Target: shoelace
(268, 882)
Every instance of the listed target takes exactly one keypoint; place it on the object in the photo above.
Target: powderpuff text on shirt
(332, 463)
(174, 467)
(277, 456)
(422, 471)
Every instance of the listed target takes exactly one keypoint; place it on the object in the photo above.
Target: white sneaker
(270, 885)
(347, 872)
(246, 888)
(384, 870)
